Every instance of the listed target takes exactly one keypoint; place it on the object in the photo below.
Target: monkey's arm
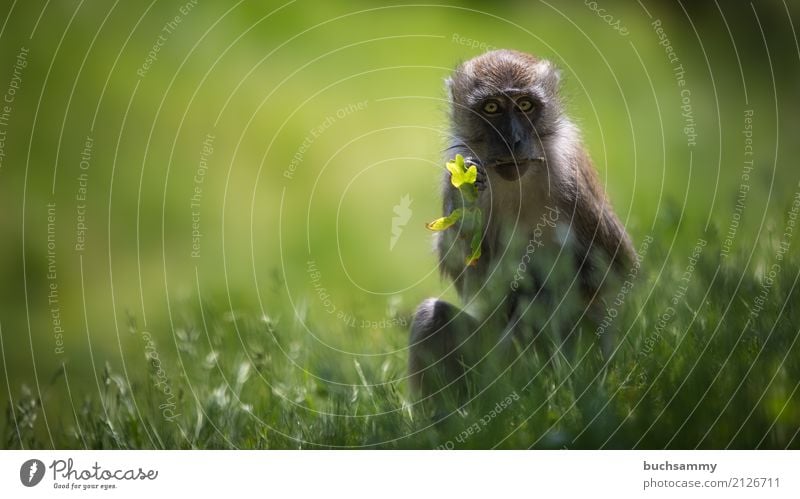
(602, 237)
(453, 247)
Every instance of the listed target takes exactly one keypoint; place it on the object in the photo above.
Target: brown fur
(534, 162)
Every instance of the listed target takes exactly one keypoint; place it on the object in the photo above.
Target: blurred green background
(286, 134)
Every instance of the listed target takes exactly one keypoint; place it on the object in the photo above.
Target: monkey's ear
(551, 74)
(557, 75)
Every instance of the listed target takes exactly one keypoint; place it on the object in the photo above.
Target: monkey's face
(504, 106)
(504, 125)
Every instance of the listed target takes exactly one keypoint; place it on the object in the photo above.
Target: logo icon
(31, 472)
(402, 210)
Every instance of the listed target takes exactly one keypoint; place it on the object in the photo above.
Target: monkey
(540, 195)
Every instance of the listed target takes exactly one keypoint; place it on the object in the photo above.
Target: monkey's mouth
(512, 170)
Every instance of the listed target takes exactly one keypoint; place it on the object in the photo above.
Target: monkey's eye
(491, 107)
(524, 105)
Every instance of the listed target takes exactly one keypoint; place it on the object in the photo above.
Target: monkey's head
(504, 105)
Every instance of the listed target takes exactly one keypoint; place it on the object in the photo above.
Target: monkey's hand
(480, 182)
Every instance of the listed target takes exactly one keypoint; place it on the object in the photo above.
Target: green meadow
(198, 247)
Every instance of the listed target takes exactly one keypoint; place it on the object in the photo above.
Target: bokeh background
(247, 158)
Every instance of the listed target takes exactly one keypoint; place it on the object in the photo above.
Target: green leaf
(470, 192)
(477, 236)
(443, 223)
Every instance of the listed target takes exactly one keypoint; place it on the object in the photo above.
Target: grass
(701, 363)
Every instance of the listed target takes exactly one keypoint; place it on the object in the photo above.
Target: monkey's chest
(521, 211)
